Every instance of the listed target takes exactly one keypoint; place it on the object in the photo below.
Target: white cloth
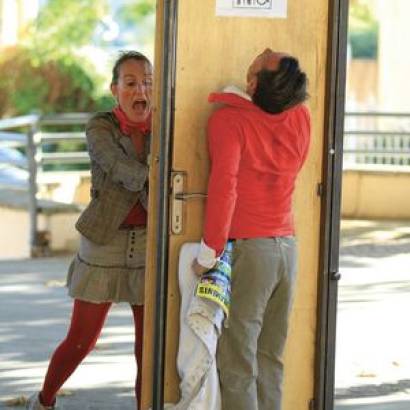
(233, 89)
(200, 326)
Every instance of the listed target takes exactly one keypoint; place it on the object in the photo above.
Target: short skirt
(110, 273)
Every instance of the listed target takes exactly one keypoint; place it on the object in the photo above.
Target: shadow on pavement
(374, 250)
(35, 313)
(382, 405)
(92, 399)
(373, 390)
(373, 292)
(373, 298)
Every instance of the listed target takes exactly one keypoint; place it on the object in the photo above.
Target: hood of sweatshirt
(233, 96)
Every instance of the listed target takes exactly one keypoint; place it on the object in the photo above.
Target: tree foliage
(44, 73)
(135, 12)
(64, 25)
(28, 84)
(363, 30)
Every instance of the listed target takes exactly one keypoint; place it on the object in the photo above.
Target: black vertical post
(165, 137)
(328, 287)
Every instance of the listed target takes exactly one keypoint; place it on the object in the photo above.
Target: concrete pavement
(373, 334)
(373, 354)
(34, 315)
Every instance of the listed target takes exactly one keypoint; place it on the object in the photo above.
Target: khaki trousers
(250, 349)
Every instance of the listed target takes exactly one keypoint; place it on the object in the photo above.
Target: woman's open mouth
(139, 105)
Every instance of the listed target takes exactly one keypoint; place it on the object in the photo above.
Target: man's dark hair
(124, 56)
(281, 89)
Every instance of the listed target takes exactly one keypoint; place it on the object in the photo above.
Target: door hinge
(319, 189)
(312, 404)
(335, 276)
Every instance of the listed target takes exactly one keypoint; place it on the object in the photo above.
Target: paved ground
(34, 314)
(373, 339)
(373, 354)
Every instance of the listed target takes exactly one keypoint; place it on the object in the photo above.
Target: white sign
(252, 8)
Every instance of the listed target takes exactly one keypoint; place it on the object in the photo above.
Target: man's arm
(225, 145)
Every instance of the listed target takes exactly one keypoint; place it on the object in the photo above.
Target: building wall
(14, 15)
(64, 236)
(82, 191)
(361, 84)
(383, 85)
(14, 237)
(394, 58)
(15, 232)
(372, 193)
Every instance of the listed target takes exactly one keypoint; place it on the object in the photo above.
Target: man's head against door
(275, 81)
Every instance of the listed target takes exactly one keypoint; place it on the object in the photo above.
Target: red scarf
(127, 126)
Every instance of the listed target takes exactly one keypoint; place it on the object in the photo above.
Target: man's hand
(199, 269)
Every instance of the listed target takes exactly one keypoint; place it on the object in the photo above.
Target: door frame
(165, 136)
(330, 190)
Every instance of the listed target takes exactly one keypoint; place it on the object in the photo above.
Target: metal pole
(326, 340)
(336, 163)
(31, 152)
(165, 137)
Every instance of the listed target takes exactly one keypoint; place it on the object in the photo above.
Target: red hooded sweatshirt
(255, 159)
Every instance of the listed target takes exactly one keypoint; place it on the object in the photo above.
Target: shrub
(363, 30)
(364, 44)
(32, 84)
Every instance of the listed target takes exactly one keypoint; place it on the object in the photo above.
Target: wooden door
(212, 52)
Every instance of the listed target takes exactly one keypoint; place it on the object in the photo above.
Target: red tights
(86, 323)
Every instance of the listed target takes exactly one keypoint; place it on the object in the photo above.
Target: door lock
(178, 199)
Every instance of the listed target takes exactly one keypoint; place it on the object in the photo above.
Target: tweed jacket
(118, 179)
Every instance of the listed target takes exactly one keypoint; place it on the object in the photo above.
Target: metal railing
(378, 138)
(369, 138)
(30, 133)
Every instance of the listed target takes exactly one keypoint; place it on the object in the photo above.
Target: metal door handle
(183, 196)
(178, 199)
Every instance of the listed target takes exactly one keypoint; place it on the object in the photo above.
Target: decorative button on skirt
(110, 273)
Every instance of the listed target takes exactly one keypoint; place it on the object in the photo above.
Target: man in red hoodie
(258, 142)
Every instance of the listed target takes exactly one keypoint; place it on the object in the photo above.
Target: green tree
(28, 84)
(64, 25)
(44, 73)
(136, 12)
(138, 19)
(363, 30)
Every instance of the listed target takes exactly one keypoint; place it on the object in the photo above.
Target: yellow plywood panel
(216, 51)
